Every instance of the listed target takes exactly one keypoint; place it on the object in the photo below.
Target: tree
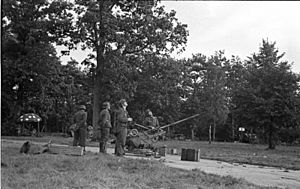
(121, 33)
(235, 71)
(192, 86)
(214, 92)
(75, 88)
(27, 81)
(267, 100)
(206, 93)
(29, 60)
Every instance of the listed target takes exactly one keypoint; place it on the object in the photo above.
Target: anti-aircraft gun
(147, 138)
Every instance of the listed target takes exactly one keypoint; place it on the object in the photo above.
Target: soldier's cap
(82, 107)
(105, 104)
(122, 101)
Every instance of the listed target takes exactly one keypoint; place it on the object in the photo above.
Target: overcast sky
(237, 27)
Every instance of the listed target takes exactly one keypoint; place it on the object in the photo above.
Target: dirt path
(263, 176)
(259, 175)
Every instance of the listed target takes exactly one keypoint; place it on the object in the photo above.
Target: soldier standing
(151, 121)
(105, 126)
(122, 119)
(81, 127)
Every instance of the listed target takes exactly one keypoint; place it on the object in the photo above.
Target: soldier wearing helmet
(105, 126)
(122, 119)
(80, 132)
(151, 121)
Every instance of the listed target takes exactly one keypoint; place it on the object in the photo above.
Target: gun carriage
(147, 137)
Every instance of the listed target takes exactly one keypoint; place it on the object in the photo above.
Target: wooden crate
(67, 150)
(174, 151)
(162, 151)
(190, 154)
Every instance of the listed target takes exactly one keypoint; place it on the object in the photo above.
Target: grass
(287, 157)
(100, 171)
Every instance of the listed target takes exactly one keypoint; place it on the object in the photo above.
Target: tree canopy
(131, 42)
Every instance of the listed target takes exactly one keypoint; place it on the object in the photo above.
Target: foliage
(206, 92)
(267, 100)
(131, 42)
(75, 89)
(27, 81)
(31, 80)
(289, 135)
(159, 86)
(235, 79)
(122, 34)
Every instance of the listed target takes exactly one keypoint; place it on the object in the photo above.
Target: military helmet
(122, 101)
(105, 104)
(82, 107)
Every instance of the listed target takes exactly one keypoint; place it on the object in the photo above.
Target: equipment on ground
(147, 138)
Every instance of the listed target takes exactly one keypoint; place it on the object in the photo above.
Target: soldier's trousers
(76, 138)
(121, 135)
(80, 137)
(103, 139)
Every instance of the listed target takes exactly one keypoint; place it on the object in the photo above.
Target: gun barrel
(185, 119)
(142, 126)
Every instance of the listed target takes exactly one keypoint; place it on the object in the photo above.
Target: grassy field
(100, 171)
(287, 157)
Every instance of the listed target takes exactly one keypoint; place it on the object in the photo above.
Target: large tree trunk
(96, 100)
(96, 109)
(97, 87)
(100, 46)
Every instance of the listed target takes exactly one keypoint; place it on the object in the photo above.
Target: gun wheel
(155, 139)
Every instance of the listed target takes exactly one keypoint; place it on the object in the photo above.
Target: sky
(237, 27)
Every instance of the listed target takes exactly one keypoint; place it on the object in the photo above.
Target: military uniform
(151, 122)
(121, 131)
(81, 125)
(105, 126)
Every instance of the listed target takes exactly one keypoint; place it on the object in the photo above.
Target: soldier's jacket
(80, 119)
(122, 118)
(151, 122)
(105, 120)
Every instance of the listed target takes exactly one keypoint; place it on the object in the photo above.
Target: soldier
(122, 119)
(32, 148)
(151, 121)
(81, 127)
(105, 126)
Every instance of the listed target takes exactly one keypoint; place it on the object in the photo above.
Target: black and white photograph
(150, 94)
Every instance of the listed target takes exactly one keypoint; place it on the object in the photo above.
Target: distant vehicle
(249, 138)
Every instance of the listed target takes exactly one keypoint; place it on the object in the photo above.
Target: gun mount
(148, 136)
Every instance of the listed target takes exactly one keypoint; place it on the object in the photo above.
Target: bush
(9, 129)
(289, 135)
